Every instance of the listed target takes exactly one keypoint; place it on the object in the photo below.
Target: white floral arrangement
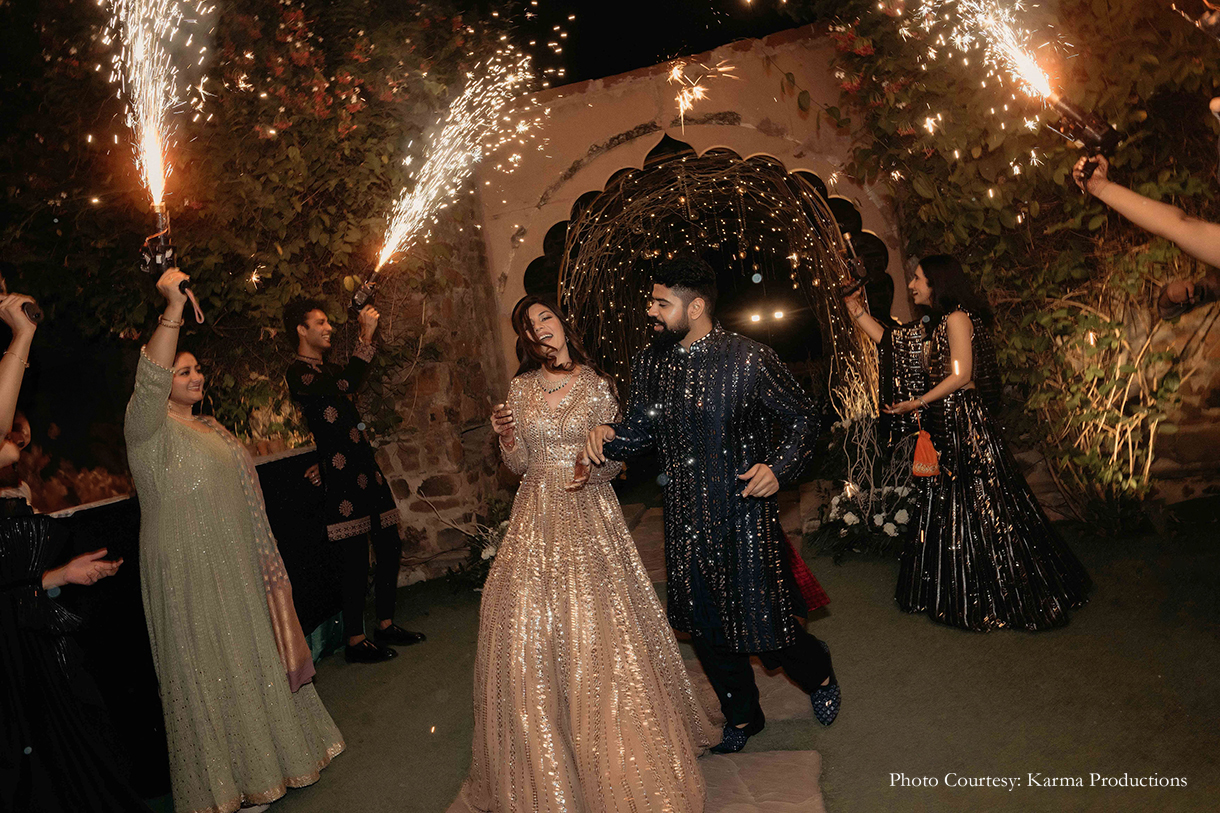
(482, 545)
(875, 510)
(855, 520)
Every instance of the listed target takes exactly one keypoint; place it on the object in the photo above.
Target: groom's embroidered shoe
(734, 738)
(826, 699)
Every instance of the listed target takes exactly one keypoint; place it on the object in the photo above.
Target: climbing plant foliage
(280, 187)
(1072, 282)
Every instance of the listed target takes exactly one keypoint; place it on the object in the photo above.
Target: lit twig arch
(752, 212)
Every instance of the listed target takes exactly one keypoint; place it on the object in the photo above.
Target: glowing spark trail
(475, 124)
(952, 27)
(148, 33)
(693, 90)
(1009, 48)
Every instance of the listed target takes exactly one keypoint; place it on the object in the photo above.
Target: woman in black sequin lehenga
(57, 749)
(985, 556)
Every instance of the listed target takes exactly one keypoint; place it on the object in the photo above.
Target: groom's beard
(668, 336)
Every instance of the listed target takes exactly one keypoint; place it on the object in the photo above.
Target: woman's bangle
(14, 355)
(921, 401)
(170, 323)
(857, 315)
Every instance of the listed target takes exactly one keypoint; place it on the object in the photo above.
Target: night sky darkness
(616, 36)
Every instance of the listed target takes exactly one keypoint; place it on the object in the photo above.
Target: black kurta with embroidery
(358, 500)
(712, 412)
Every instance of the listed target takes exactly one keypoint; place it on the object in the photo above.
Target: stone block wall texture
(1188, 461)
(442, 463)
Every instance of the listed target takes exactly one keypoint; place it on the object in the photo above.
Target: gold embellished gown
(582, 703)
(225, 639)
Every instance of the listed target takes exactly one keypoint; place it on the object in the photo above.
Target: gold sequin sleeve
(518, 457)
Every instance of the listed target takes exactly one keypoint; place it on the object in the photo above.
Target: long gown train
(985, 555)
(582, 702)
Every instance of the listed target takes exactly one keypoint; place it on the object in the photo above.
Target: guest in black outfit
(707, 400)
(898, 379)
(55, 745)
(985, 556)
(359, 504)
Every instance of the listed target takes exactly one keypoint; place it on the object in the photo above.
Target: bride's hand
(504, 424)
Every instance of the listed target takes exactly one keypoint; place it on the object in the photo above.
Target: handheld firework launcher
(157, 254)
(366, 293)
(30, 309)
(1089, 132)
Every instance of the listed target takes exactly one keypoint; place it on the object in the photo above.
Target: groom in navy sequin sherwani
(710, 401)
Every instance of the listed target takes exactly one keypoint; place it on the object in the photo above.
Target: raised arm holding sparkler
(1198, 238)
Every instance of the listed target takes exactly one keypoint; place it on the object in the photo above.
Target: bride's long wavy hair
(534, 355)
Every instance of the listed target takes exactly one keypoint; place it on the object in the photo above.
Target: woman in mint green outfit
(242, 720)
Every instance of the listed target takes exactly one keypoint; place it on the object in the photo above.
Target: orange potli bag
(927, 461)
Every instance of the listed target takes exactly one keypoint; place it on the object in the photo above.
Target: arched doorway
(776, 239)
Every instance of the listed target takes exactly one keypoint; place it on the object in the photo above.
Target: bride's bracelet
(170, 323)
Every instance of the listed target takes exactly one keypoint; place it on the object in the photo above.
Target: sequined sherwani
(711, 413)
(358, 500)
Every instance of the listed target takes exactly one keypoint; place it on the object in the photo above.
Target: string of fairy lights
(774, 225)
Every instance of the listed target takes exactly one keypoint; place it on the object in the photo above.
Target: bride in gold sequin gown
(582, 703)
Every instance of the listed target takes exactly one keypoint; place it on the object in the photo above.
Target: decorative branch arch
(750, 218)
(595, 129)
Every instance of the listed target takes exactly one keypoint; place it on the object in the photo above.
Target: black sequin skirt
(985, 556)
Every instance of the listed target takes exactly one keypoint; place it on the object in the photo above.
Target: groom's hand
(598, 436)
(761, 481)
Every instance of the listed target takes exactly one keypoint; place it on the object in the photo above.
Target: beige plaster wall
(598, 127)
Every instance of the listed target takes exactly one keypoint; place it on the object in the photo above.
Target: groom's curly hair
(690, 277)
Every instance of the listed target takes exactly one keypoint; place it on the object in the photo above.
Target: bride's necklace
(557, 387)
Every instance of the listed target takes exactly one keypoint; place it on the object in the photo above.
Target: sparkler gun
(1088, 131)
(30, 309)
(366, 293)
(158, 255)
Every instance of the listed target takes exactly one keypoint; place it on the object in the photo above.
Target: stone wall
(442, 463)
(1188, 461)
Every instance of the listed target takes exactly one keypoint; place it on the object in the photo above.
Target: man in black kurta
(359, 504)
(710, 401)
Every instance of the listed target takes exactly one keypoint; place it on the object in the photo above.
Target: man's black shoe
(734, 739)
(398, 636)
(368, 652)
